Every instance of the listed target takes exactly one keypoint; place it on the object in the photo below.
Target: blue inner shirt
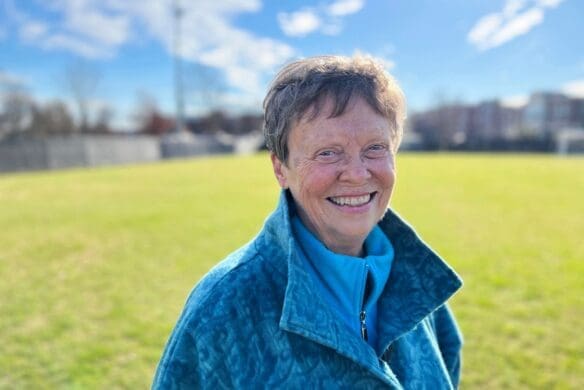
(344, 279)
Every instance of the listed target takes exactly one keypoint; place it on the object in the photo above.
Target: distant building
(577, 112)
(486, 122)
(545, 114)
(489, 125)
(570, 141)
(493, 124)
(443, 127)
(511, 123)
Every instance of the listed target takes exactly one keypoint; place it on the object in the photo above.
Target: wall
(26, 153)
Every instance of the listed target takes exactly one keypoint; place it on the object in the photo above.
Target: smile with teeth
(352, 201)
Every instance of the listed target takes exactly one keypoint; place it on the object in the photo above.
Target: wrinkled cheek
(388, 179)
(318, 183)
(313, 198)
(310, 197)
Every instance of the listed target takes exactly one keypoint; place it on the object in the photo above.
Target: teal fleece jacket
(257, 320)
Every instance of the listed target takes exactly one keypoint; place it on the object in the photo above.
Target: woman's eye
(328, 155)
(376, 150)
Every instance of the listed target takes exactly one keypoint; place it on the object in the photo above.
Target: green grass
(95, 265)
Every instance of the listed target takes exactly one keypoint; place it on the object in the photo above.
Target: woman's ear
(280, 171)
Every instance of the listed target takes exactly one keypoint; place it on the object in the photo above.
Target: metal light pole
(178, 81)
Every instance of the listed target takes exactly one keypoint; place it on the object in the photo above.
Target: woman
(336, 290)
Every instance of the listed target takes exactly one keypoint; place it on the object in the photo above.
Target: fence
(27, 153)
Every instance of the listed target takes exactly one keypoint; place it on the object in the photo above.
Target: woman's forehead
(359, 119)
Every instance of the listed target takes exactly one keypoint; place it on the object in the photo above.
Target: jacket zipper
(362, 318)
(363, 313)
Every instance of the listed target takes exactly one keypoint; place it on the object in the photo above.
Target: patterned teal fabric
(257, 321)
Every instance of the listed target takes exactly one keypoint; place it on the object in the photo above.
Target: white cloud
(516, 101)
(299, 23)
(497, 28)
(485, 28)
(100, 29)
(574, 88)
(210, 38)
(245, 58)
(519, 25)
(549, 3)
(97, 24)
(345, 7)
(76, 45)
(86, 28)
(326, 19)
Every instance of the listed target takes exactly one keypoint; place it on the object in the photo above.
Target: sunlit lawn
(95, 264)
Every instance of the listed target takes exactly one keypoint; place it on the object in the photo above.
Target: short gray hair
(305, 84)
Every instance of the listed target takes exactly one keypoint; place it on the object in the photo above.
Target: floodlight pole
(177, 13)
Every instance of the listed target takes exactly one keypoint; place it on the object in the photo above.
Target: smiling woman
(336, 290)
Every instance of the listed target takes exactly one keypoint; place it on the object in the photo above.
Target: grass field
(95, 264)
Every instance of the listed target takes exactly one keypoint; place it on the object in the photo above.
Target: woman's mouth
(352, 201)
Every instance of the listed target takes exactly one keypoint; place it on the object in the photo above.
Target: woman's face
(341, 173)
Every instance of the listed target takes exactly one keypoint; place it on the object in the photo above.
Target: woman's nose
(355, 171)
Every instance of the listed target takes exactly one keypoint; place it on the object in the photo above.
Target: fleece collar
(343, 279)
(419, 283)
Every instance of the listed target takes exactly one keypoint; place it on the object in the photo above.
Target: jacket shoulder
(223, 310)
(243, 276)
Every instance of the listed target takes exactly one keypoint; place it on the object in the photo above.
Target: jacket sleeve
(449, 341)
(179, 365)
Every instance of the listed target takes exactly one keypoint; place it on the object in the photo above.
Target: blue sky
(439, 50)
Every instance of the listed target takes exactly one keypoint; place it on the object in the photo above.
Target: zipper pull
(362, 317)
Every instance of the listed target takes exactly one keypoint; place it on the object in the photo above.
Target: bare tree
(148, 117)
(16, 114)
(52, 118)
(81, 80)
(104, 119)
